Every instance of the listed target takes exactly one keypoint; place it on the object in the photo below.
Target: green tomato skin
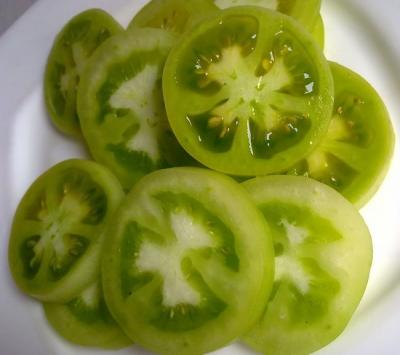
(323, 258)
(71, 49)
(43, 221)
(138, 308)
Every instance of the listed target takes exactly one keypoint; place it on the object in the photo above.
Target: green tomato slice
(72, 47)
(173, 15)
(355, 155)
(304, 11)
(323, 257)
(85, 320)
(121, 107)
(187, 257)
(248, 92)
(57, 232)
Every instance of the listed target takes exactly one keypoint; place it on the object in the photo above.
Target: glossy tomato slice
(173, 15)
(71, 49)
(121, 107)
(188, 266)
(248, 92)
(57, 232)
(355, 155)
(323, 256)
(304, 11)
(85, 320)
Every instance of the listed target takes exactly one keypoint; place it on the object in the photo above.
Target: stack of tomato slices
(230, 160)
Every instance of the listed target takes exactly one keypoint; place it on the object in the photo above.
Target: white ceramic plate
(361, 34)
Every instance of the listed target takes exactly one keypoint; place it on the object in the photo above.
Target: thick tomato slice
(121, 107)
(85, 320)
(323, 257)
(188, 267)
(72, 47)
(355, 155)
(248, 92)
(57, 232)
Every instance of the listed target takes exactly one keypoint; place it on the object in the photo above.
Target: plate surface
(360, 34)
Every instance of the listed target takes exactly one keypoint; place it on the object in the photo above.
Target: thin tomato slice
(188, 263)
(323, 257)
(248, 92)
(58, 228)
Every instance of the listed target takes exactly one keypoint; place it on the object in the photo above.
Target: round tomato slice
(306, 12)
(355, 155)
(121, 107)
(57, 232)
(188, 265)
(248, 92)
(173, 15)
(85, 320)
(71, 49)
(323, 257)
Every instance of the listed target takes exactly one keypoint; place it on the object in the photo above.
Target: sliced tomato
(248, 92)
(72, 47)
(121, 107)
(57, 232)
(188, 263)
(355, 155)
(323, 257)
